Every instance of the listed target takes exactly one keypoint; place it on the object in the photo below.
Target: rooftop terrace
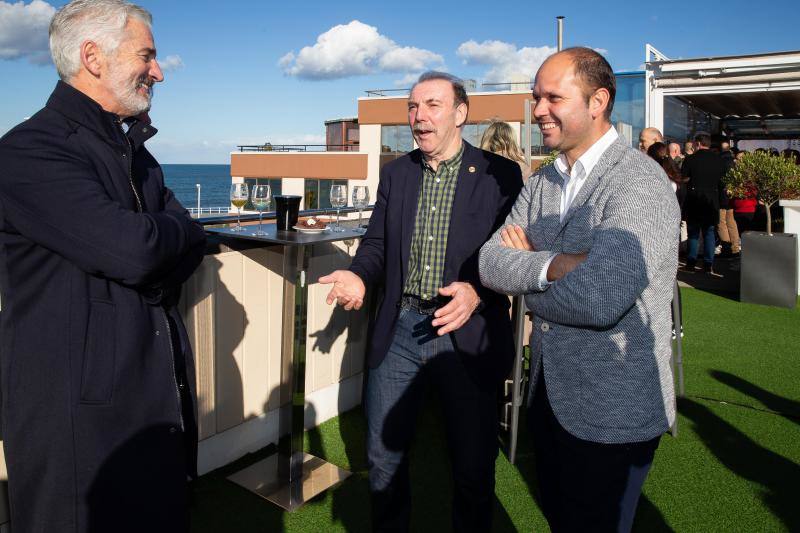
(734, 466)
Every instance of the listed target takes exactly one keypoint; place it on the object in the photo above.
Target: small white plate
(301, 229)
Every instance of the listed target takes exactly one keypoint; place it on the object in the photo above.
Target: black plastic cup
(287, 207)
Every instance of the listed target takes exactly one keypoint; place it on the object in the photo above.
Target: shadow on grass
(648, 517)
(431, 492)
(221, 505)
(785, 407)
(746, 458)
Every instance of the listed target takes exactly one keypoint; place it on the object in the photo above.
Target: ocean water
(214, 180)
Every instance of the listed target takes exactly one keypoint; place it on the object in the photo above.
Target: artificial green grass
(735, 465)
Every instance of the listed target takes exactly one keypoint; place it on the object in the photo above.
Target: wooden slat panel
(229, 316)
(256, 352)
(198, 313)
(274, 264)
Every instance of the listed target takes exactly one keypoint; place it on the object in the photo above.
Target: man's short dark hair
(595, 72)
(703, 139)
(459, 92)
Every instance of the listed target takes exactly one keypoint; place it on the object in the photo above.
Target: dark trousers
(583, 485)
(416, 358)
(709, 243)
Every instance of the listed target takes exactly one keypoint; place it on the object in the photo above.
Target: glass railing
(298, 147)
(270, 215)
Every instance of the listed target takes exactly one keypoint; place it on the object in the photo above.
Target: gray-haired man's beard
(126, 91)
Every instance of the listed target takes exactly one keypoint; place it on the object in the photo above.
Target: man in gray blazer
(592, 243)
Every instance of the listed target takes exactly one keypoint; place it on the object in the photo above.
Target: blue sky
(245, 72)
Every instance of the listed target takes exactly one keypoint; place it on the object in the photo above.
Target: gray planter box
(769, 269)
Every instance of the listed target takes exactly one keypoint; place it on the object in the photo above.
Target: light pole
(198, 199)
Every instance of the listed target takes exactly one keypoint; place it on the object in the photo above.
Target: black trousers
(583, 485)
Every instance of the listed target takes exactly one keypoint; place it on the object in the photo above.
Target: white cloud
(486, 53)
(355, 49)
(508, 63)
(171, 63)
(23, 30)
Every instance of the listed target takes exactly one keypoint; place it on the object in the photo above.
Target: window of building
(274, 185)
(472, 133)
(396, 139)
(317, 193)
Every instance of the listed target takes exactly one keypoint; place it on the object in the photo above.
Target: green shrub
(770, 178)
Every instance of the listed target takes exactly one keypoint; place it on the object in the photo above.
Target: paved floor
(725, 282)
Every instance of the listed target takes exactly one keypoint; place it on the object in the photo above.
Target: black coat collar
(79, 108)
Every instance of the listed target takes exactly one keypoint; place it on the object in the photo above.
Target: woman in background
(659, 152)
(500, 138)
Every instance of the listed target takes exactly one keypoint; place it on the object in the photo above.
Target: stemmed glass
(262, 198)
(238, 199)
(360, 201)
(338, 200)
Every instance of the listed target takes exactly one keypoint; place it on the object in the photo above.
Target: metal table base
(290, 477)
(264, 478)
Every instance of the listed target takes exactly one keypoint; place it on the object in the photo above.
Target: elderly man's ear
(91, 57)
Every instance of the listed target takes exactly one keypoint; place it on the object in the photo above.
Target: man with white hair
(648, 137)
(675, 152)
(97, 378)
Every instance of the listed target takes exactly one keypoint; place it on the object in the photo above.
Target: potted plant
(769, 273)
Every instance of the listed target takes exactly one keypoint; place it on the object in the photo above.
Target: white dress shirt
(574, 178)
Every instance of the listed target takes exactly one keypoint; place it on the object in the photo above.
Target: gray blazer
(603, 332)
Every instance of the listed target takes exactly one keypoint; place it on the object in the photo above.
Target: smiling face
(435, 120)
(132, 70)
(570, 122)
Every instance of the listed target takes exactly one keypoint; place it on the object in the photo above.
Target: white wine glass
(261, 199)
(238, 199)
(360, 202)
(338, 201)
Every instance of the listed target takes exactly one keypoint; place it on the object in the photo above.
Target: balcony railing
(298, 147)
(270, 215)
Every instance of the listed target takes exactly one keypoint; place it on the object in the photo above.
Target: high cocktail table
(291, 477)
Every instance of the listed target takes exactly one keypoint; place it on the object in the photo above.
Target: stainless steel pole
(518, 312)
(198, 199)
(560, 20)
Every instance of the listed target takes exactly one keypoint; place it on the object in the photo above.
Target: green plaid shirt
(429, 241)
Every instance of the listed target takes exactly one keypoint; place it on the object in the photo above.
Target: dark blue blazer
(487, 187)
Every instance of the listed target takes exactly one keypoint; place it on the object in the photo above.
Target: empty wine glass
(238, 199)
(338, 201)
(262, 198)
(360, 201)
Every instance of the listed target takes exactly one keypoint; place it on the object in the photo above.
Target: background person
(648, 136)
(705, 169)
(97, 373)
(500, 138)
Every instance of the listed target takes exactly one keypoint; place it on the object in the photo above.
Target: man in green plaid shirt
(437, 324)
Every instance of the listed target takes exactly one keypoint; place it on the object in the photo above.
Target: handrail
(213, 221)
(298, 147)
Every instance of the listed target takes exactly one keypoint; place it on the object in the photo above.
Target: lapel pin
(471, 169)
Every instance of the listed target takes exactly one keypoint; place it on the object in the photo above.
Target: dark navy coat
(487, 187)
(97, 374)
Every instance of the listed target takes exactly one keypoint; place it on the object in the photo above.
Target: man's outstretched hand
(348, 289)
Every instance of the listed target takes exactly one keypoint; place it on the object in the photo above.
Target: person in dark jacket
(437, 323)
(704, 169)
(97, 375)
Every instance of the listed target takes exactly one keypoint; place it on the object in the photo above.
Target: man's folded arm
(629, 244)
(507, 270)
(63, 206)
